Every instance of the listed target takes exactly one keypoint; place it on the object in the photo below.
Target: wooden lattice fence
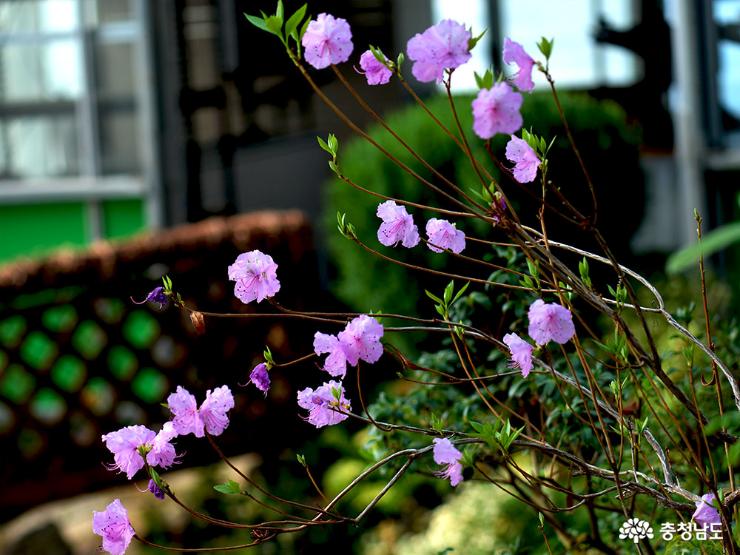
(78, 358)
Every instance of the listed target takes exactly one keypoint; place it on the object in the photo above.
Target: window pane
(727, 12)
(41, 147)
(119, 142)
(115, 70)
(577, 60)
(34, 16)
(48, 71)
(99, 12)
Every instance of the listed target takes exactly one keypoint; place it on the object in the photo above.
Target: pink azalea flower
(114, 527)
(336, 363)
(514, 54)
(453, 473)
(255, 275)
(550, 322)
(445, 453)
(706, 513)
(525, 159)
(442, 46)
(260, 378)
(360, 340)
(322, 405)
(521, 353)
(496, 110)
(162, 452)
(397, 227)
(327, 41)
(213, 410)
(184, 408)
(125, 444)
(211, 417)
(375, 72)
(444, 235)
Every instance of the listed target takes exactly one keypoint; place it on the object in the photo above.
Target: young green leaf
(228, 488)
(291, 26)
(257, 22)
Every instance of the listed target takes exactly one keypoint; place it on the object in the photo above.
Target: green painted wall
(37, 229)
(122, 218)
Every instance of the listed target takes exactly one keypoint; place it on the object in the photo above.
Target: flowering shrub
(608, 427)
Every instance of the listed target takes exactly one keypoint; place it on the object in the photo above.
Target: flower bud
(198, 321)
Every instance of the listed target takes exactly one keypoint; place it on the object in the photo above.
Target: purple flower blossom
(125, 445)
(156, 296)
(114, 527)
(706, 513)
(550, 322)
(156, 491)
(525, 159)
(213, 410)
(360, 340)
(327, 40)
(336, 363)
(255, 275)
(323, 405)
(444, 235)
(521, 353)
(211, 417)
(442, 46)
(184, 408)
(162, 452)
(445, 453)
(398, 226)
(496, 110)
(375, 72)
(260, 378)
(514, 54)
(453, 473)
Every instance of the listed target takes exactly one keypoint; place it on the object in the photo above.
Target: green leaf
(545, 46)
(304, 27)
(460, 293)
(448, 292)
(229, 488)
(280, 12)
(323, 144)
(472, 42)
(712, 242)
(257, 22)
(333, 143)
(301, 459)
(294, 21)
(484, 81)
(378, 53)
(584, 270)
(274, 25)
(432, 296)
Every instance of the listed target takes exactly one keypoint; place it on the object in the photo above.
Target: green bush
(608, 144)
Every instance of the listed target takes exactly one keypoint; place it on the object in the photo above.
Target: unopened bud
(198, 321)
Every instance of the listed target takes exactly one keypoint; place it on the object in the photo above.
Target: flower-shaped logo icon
(635, 530)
